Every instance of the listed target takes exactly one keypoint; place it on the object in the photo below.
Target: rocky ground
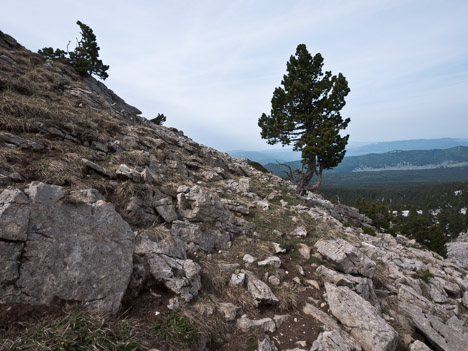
(101, 210)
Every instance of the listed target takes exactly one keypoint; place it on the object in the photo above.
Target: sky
(211, 66)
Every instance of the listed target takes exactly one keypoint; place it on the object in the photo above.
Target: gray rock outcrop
(55, 252)
(366, 326)
(442, 336)
(456, 251)
(345, 257)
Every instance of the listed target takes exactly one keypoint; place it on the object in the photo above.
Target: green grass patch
(424, 275)
(78, 331)
(173, 328)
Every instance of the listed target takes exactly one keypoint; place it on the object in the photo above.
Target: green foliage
(418, 227)
(174, 328)
(375, 210)
(79, 331)
(425, 232)
(306, 112)
(85, 58)
(51, 54)
(159, 119)
(424, 275)
(257, 166)
(368, 230)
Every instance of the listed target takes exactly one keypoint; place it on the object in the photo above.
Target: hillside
(352, 149)
(394, 161)
(119, 234)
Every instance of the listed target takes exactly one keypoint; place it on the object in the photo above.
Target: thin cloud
(211, 66)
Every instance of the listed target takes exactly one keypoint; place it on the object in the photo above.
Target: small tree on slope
(85, 58)
(306, 112)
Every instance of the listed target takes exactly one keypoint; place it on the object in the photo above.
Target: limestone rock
(304, 251)
(237, 280)
(125, 172)
(267, 345)
(266, 324)
(367, 327)
(456, 251)
(409, 296)
(209, 240)
(244, 185)
(330, 324)
(280, 319)
(419, 346)
(299, 231)
(263, 204)
(330, 340)
(58, 261)
(236, 206)
(362, 286)
(97, 168)
(20, 142)
(442, 336)
(228, 310)
(248, 258)
(260, 292)
(465, 299)
(170, 246)
(14, 215)
(180, 276)
(278, 249)
(437, 292)
(203, 206)
(166, 209)
(86, 196)
(345, 257)
(270, 261)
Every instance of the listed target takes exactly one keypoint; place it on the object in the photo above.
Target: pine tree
(306, 112)
(85, 58)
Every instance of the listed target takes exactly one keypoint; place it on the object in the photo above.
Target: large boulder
(449, 336)
(58, 250)
(358, 315)
(345, 257)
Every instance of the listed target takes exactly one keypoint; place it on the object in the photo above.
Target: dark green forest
(432, 214)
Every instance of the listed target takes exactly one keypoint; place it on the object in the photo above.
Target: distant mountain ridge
(353, 149)
(393, 161)
(406, 145)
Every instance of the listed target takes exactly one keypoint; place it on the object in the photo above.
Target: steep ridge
(102, 210)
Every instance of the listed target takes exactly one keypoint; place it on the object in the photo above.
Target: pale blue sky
(211, 66)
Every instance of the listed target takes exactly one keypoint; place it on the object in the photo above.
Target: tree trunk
(304, 184)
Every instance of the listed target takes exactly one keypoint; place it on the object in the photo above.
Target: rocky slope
(102, 210)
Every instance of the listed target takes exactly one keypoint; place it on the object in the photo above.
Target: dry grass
(135, 158)
(61, 171)
(288, 297)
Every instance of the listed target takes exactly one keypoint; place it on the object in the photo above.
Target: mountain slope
(103, 211)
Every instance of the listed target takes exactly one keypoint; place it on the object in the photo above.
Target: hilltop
(119, 234)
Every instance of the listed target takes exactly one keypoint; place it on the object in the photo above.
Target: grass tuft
(174, 328)
(78, 331)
